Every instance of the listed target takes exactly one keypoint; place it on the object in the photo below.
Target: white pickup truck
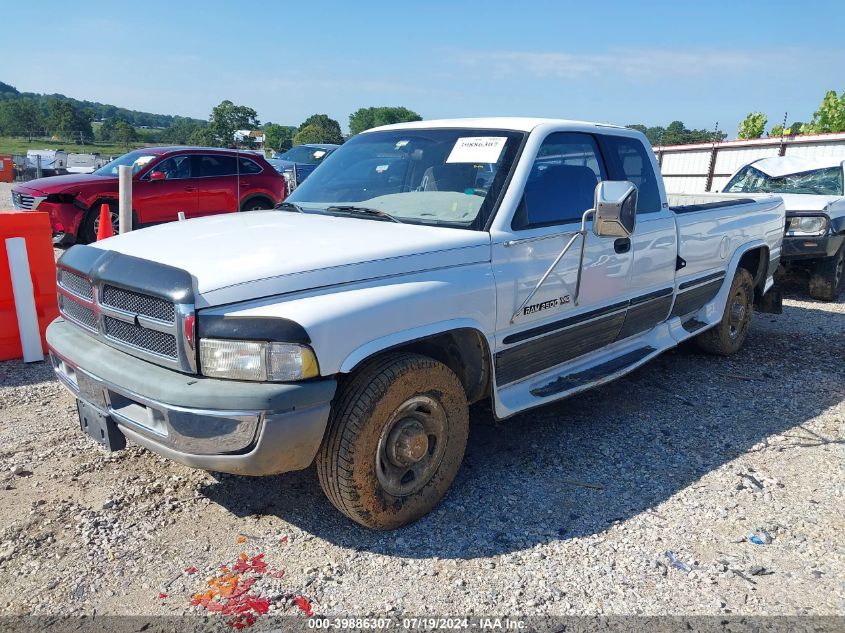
(421, 268)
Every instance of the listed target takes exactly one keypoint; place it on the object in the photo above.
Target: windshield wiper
(290, 206)
(364, 211)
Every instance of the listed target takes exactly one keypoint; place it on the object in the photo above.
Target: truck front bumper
(802, 248)
(245, 428)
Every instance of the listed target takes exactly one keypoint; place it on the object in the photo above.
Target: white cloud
(629, 63)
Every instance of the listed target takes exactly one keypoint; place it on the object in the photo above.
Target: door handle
(189, 188)
(622, 245)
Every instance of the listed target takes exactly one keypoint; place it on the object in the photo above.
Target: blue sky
(618, 62)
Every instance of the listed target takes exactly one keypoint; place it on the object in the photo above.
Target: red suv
(166, 180)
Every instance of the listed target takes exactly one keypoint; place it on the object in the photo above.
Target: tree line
(227, 118)
(35, 116)
(676, 133)
(830, 117)
(31, 114)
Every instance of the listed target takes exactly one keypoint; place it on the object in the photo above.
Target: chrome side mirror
(615, 208)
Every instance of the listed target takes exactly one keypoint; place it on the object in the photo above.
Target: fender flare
(385, 343)
(718, 302)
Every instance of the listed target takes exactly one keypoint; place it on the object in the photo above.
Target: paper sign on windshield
(477, 149)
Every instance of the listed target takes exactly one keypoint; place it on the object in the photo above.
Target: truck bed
(692, 202)
(708, 225)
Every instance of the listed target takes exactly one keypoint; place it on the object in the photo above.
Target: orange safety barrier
(7, 168)
(34, 227)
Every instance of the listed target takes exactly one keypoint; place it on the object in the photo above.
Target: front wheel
(828, 277)
(90, 225)
(395, 441)
(729, 335)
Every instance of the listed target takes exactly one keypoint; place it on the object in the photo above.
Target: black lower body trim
(556, 348)
(643, 316)
(688, 301)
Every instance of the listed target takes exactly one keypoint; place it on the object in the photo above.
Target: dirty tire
(828, 278)
(87, 232)
(729, 335)
(381, 402)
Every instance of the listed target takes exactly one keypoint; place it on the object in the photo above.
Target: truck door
(654, 242)
(551, 329)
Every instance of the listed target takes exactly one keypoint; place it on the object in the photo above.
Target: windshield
(304, 154)
(822, 182)
(136, 159)
(444, 177)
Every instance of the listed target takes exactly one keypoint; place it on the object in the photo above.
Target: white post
(124, 205)
(24, 300)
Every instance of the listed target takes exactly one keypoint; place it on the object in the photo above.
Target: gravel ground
(5, 195)
(569, 509)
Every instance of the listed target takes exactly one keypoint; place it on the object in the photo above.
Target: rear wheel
(395, 441)
(91, 223)
(828, 278)
(730, 333)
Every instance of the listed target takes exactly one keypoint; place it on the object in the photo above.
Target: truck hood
(806, 202)
(241, 256)
(70, 183)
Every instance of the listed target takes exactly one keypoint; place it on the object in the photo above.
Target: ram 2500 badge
(421, 268)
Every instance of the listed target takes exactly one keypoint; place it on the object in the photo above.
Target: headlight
(257, 360)
(807, 226)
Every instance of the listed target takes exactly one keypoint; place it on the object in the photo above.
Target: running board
(594, 374)
(693, 325)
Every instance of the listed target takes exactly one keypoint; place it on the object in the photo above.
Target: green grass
(9, 145)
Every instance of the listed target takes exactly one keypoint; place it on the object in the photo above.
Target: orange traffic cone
(105, 229)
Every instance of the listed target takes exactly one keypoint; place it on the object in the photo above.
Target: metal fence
(23, 170)
(32, 166)
(706, 167)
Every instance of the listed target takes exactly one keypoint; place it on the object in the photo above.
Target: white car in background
(812, 192)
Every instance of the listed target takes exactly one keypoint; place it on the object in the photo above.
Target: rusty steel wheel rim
(738, 315)
(411, 446)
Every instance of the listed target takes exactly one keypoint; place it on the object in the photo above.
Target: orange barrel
(7, 168)
(34, 227)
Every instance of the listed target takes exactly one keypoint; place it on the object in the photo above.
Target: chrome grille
(77, 284)
(138, 303)
(77, 312)
(22, 201)
(143, 325)
(153, 341)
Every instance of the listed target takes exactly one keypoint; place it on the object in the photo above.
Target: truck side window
(628, 159)
(562, 182)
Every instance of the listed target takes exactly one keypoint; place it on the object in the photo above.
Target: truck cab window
(627, 160)
(562, 182)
